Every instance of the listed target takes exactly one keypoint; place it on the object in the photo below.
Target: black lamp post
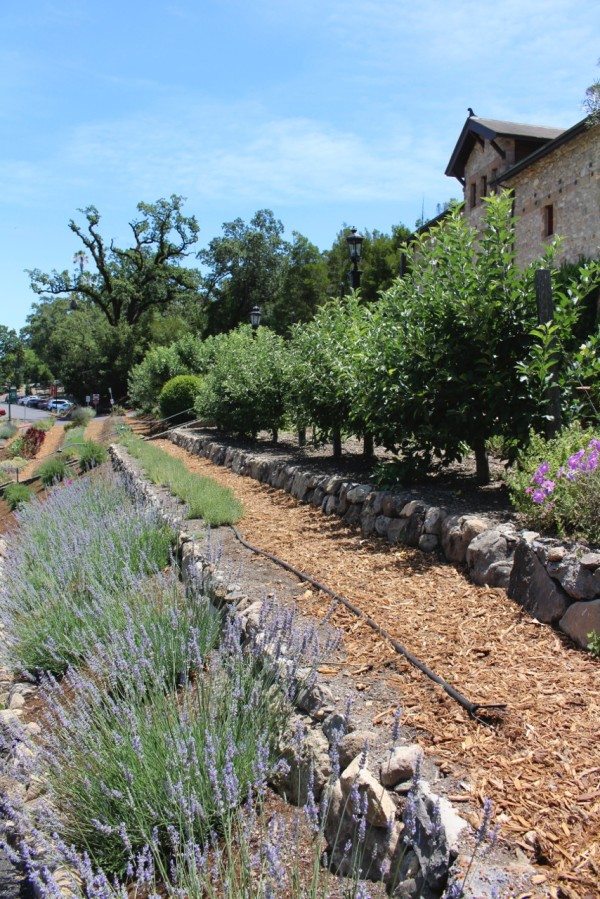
(255, 315)
(355, 242)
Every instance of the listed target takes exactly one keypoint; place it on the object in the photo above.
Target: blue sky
(325, 111)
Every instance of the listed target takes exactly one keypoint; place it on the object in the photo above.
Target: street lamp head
(255, 315)
(355, 242)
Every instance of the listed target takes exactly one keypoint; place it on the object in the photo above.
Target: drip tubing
(476, 710)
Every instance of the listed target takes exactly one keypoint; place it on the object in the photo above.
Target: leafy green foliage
(245, 389)
(245, 266)
(380, 263)
(52, 471)
(17, 494)
(558, 356)
(177, 398)
(187, 356)
(446, 340)
(327, 366)
(203, 497)
(594, 644)
(556, 483)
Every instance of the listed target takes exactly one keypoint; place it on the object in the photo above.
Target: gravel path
(540, 763)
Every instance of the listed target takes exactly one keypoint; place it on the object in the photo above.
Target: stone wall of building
(569, 180)
(485, 162)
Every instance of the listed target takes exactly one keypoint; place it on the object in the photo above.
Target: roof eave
(542, 151)
(455, 169)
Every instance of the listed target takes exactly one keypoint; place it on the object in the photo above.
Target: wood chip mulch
(540, 764)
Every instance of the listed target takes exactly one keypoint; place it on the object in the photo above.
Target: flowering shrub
(557, 484)
(68, 566)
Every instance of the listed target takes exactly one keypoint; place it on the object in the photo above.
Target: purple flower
(574, 461)
(538, 496)
(541, 472)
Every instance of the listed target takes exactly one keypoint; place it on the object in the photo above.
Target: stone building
(554, 175)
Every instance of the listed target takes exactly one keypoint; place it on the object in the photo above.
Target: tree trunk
(482, 464)
(275, 436)
(301, 436)
(337, 444)
(368, 446)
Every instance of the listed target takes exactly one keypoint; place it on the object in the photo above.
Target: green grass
(17, 494)
(72, 444)
(7, 430)
(204, 497)
(52, 471)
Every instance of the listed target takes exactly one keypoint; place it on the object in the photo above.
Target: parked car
(58, 406)
(2, 412)
(22, 400)
(29, 400)
(37, 402)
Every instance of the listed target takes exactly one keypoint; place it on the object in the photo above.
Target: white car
(58, 406)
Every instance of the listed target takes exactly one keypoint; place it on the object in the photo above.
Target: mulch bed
(539, 764)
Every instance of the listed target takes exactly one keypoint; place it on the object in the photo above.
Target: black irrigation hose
(473, 708)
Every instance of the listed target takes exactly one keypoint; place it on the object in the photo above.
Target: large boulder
(532, 587)
(306, 752)
(580, 620)
(380, 806)
(489, 555)
(457, 533)
(377, 850)
(401, 765)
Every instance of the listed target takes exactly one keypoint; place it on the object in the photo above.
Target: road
(23, 413)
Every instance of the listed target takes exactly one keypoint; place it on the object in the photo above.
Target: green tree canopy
(447, 339)
(244, 269)
(126, 283)
(380, 263)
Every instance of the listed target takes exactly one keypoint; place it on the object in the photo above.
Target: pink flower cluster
(584, 461)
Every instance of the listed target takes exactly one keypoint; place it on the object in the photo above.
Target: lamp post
(355, 242)
(255, 316)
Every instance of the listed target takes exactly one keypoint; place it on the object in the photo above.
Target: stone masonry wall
(569, 179)
(556, 583)
(394, 784)
(485, 161)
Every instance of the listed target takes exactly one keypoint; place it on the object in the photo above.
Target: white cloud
(218, 152)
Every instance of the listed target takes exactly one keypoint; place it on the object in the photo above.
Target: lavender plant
(67, 567)
(144, 760)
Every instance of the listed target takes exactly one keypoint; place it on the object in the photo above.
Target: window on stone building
(548, 220)
(483, 186)
(473, 194)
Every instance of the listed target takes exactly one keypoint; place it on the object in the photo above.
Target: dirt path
(101, 430)
(541, 764)
(54, 438)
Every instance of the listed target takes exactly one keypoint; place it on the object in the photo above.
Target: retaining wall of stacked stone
(438, 853)
(557, 583)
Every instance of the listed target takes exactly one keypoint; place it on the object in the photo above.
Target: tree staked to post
(545, 307)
